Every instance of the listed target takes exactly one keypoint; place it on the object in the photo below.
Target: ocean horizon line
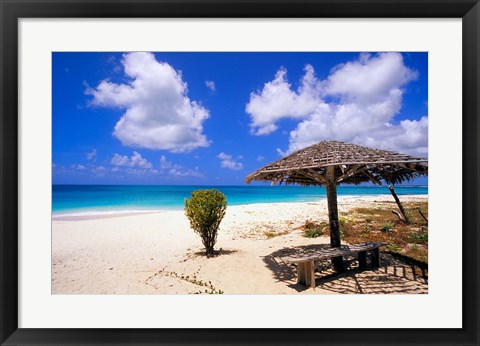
(256, 184)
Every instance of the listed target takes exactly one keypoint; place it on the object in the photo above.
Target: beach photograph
(242, 173)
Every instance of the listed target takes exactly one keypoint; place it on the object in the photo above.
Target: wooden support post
(310, 274)
(362, 259)
(400, 206)
(300, 273)
(335, 241)
(306, 274)
(375, 253)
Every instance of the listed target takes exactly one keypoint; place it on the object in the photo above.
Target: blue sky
(212, 118)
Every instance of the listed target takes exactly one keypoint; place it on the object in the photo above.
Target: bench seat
(306, 262)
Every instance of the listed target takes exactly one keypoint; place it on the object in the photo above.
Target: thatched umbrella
(331, 163)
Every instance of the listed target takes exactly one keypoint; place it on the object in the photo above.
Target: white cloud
(177, 170)
(228, 162)
(78, 167)
(140, 171)
(260, 158)
(370, 79)
(165, 164)
(280, 152)
(119, 160)
(99, 170)
(210, 84)
(356, 103)
(159, 114)
(276, 100)
(91, 155)
(136, 160)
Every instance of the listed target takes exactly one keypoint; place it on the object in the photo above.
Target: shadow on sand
(394, 276)
(219, 252)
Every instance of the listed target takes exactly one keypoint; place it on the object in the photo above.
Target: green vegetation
(313, 230)
(206, 287)
(376, 224)
(313, 233)
(386, 227)
(419, 237)
(205, 210)
(272, 234)
(393, 247)
(366, 229)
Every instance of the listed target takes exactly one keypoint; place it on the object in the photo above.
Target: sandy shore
(158, 253)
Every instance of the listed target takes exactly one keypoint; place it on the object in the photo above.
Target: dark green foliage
(419, 237)
(205, 209)
(313, 233)
(393, 248)
(387, 227)
(313, 230)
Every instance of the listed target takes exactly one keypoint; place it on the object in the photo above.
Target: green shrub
(366, 229)
(312, 229)
(419, 238)
(393, 247)
(387, 227)
(313, 232)
(272, 234)
(343, 224)
(205, 210)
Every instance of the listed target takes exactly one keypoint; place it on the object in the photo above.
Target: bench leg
(338, 264)
(375, 253)
(306, 274)
(362, 259)
(300, 273)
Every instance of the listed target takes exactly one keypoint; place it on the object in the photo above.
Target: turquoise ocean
(99, 199)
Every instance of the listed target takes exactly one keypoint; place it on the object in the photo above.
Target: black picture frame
(11, 11)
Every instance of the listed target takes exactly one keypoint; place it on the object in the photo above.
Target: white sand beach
(158, 253)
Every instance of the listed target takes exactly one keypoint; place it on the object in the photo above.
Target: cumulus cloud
(158, 112)
(226, 161)
(370, 79)
(356, 103)
(136, 160)
(210, 84)
(167, 167)
(276, 101)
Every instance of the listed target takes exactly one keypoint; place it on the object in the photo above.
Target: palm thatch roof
(353, 164)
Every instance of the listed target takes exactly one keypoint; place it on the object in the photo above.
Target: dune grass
(379, 224)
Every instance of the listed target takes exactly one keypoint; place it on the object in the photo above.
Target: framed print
(197, 172)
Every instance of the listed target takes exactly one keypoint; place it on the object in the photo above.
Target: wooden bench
(306, 262)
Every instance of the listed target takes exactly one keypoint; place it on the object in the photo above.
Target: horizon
(209, 119)
(246, 185)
